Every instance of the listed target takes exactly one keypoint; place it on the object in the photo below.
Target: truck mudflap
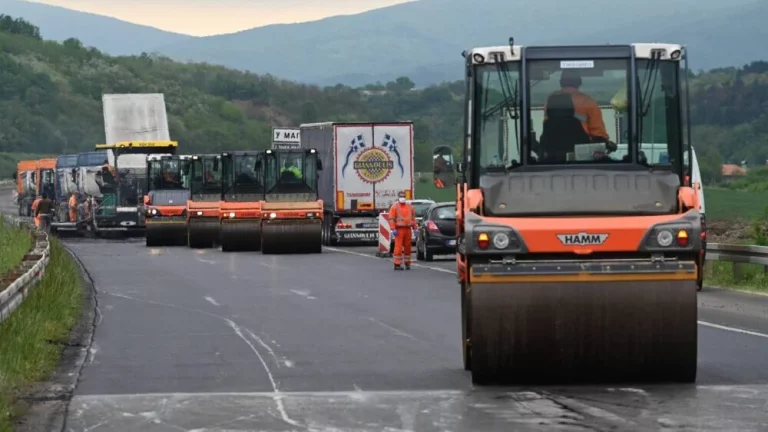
(292, 236)
(166, 231)
(609, 321)
(203, 232)
(240, 234)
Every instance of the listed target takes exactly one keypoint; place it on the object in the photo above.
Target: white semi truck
(365, 166)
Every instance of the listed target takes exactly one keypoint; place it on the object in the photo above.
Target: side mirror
(15, 175)
(216, 164)
(319, 165)
(442, 164)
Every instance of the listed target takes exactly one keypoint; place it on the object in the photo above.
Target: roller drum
(240, 235)
(287, 236)
(203, 233)
(586, 332)
(165, 234)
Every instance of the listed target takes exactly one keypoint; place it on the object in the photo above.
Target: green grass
(724, 204)
(14, 244)
(8, 162)
(752, 278)
(32, 337)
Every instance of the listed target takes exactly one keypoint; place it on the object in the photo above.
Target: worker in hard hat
(72, 204)
(586, 109)
(402, 221)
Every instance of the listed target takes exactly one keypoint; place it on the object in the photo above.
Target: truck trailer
(365, 165)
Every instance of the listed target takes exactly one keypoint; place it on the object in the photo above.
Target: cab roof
(642, 50)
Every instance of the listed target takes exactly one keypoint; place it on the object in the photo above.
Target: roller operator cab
(242, 193)
(293, 214)
(165, 203)
(577, 248)
(203, 204)
(123, 182)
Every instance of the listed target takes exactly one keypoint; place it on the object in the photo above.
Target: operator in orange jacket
(35, 203)
(73, 207)
(402, 220)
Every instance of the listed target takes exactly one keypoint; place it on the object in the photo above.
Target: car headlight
(500, 240)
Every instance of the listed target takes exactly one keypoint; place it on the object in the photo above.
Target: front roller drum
(287, 236)
(165, 234)
(203, 233)
(588, 332)
(240, 235)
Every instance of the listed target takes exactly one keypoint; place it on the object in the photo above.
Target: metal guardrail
(17, 284)
(738, 253)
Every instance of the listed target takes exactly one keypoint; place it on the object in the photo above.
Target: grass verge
(32, 338)
(14, 244)
(750, 277)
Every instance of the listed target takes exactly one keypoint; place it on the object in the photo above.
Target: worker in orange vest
(402, 220)
(35, 203)
(73, 207)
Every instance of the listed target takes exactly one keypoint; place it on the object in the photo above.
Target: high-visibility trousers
(73, 214)
(402, 252)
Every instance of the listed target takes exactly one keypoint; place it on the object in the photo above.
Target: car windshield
(444, 213)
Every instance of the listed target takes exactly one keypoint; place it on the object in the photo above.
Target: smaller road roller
(203, 204)
(165, 204)
(578, 225)
(292, 213)
(242, 193)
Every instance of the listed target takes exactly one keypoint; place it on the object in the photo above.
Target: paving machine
(242, 193)
(203, 204)
(576, 263)
(165, 204)
(293, 214)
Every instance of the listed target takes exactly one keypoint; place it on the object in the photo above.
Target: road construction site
(188, 339)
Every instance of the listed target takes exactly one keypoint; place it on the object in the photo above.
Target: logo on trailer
(373, 164)
(582, 239)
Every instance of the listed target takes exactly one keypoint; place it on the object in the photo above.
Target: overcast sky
(206, 17)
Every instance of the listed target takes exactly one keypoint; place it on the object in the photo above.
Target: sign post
(286, 138)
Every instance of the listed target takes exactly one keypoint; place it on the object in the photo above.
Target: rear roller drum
(165, 234)
(203, 233)
(243, 235)
(292, 237)
(542, 333)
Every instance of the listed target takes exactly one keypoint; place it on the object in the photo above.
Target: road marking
(395, 331)
(304, 294)
(211, 301)
(703, 323)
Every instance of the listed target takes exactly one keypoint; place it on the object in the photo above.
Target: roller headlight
(664, 238)
(272, 215)
(500, 240)
(310, 215)
(232, 215)
(154, 211)
(199, 213)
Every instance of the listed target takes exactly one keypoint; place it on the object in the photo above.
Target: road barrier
(738, 254)
(385, 236)
(16, 285)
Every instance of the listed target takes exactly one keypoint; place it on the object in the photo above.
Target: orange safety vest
(587, 111)
(397, 219)
(72, 202)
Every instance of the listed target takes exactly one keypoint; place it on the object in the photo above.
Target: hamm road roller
(165, 204)
(577, 247)
(242, 192)
(203, 205)
(292, 213)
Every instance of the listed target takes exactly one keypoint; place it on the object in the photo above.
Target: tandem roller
(171, 232)
(291, 236)
(240, 235)
(203, 232)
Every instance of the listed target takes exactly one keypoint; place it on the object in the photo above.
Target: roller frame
(165, 231)
(622, 330)
(281, 236)
(240, 235)
(203, 232)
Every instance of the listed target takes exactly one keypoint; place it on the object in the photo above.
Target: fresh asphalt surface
(192, 340)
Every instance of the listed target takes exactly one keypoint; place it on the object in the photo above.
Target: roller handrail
(18, 283)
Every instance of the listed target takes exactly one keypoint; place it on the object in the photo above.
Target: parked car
(437, 232)
(420, 206)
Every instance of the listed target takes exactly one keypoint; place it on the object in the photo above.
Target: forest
(50, 102)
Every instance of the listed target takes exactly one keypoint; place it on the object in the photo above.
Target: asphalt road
(204, 340)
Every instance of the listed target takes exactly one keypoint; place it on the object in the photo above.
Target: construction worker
(72, 204)
(290, 166)
(402, 221)
(586, 108)
(44, 209)
(35, 204)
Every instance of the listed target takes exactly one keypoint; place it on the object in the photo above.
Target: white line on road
(211, 301)
(395, 331)
(703, 323)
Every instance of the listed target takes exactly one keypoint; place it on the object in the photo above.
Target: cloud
(206, 17)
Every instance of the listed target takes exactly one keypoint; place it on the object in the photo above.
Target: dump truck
(242, 193)
(366, 166)
(203, 204)
(25, 177)
(576, 264)
(65, 185)
(292, 213)
(123, 184)
(165, 204)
